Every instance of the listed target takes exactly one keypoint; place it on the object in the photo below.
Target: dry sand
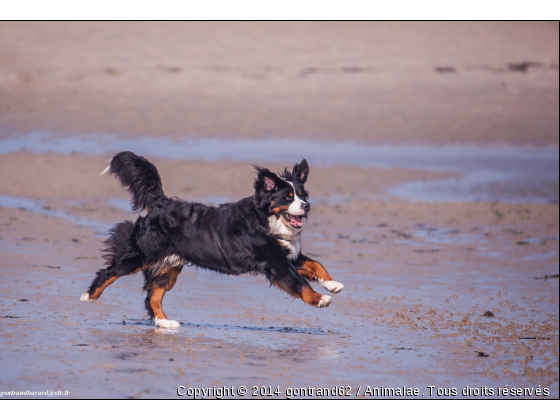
(419, 275)
(429, 82)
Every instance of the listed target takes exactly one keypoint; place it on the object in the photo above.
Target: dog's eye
(289, 198)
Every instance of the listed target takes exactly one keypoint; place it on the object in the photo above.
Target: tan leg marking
(159, 292)
(100, 289)
(110, 281)
(155, 301)
(310, 296)
(314, 271)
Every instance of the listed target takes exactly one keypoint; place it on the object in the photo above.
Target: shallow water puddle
(509, 174)
(39, 207)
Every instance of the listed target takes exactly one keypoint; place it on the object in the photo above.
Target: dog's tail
(139, 176)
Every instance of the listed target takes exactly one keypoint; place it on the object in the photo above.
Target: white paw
(85, 297)
(332, 286)
(166, 323)
(174, 324)
(324, 302)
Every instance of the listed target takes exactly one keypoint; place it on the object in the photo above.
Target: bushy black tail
(139, 176)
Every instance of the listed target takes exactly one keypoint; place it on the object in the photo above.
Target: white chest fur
(288, 237)
(294, 246)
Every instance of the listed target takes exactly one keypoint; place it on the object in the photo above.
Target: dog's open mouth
(295, 221)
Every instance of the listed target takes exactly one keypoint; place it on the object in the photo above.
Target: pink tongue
(295, 221)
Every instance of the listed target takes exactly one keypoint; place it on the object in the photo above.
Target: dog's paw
(332, 286)
(324, 301)
(85, 297)
(166, 323)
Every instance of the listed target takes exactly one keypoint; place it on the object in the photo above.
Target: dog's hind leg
(156, 284)
(123, 258)
(105, 277)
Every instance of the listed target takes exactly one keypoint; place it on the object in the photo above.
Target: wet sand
(419, 278)
(434, 188)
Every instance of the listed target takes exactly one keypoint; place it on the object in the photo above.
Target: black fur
(140, 177)
(232, 239)
(118, 246)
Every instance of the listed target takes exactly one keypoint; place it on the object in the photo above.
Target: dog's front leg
(314, 271)
(284, 276)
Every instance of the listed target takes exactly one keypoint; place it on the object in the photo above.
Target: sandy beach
(367, 82)
(433, 152)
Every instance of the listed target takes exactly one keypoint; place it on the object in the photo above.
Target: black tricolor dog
(257, 235)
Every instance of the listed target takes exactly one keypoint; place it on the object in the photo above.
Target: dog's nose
(305, 207)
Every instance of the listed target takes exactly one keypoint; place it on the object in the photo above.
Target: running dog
(258, 235)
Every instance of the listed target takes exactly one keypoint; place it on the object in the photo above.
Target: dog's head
(283, 197)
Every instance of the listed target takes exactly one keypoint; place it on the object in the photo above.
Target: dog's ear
(266, 180)
(270, 184)
(300, 171)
